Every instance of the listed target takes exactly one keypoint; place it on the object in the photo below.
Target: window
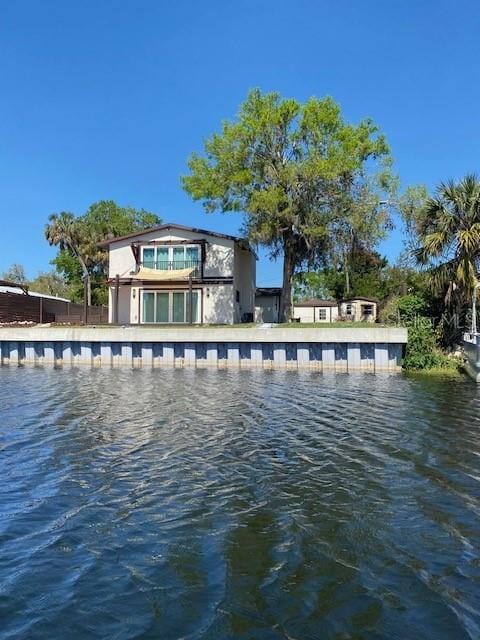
(173, 257)
(322, 314)
(169, 306)
(367, 309)
(349, 309)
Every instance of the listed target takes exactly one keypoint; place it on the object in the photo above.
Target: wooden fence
(17, 308)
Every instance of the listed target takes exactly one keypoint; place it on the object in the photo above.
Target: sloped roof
(167, 227)
(316, 302)
(21, 291)
(353, 298)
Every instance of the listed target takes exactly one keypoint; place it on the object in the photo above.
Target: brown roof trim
(316, 302)
(166, 227)
(352, 298)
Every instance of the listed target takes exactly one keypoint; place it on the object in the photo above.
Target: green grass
(437, 372)
(332, 325)
(250, 325)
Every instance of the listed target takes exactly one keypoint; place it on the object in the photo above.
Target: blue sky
(106, 99)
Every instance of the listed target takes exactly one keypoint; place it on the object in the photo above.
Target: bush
(410, 307)
(422, 351)
(403, 309)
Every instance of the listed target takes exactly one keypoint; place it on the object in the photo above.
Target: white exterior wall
(123, 304)
(218, 304)
(244, 280)
(311, 314)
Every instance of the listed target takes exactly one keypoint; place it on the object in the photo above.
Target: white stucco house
(177, 274)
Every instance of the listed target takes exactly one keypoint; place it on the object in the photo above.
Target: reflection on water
(222, 504)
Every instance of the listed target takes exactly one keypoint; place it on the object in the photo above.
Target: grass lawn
(250, 325)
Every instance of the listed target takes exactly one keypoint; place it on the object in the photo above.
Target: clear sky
(106, 99)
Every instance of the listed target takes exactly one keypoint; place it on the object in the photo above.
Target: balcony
(174, 265)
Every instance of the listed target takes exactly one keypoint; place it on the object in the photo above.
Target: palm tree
(449, 239)
(64, 231)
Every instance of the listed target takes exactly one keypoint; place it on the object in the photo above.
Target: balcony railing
(174, 265)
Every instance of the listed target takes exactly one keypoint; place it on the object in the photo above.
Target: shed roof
(353, 298)
(316, 302)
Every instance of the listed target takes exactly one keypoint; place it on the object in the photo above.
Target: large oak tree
(303, 177)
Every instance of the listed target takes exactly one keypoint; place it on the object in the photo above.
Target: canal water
(238, 504)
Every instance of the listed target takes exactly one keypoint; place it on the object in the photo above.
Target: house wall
(310, 314)
(219, 258)
(244, 281)
(218, 304)
(267, 308)
(124, 295)
(357, 309)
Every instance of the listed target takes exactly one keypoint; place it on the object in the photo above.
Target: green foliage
(305, 179)
(404, 309)
(448, 238)
(422, 351)
(79, 256)
(411, 307)
(311, 285)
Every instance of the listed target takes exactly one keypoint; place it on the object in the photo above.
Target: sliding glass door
(169, 306)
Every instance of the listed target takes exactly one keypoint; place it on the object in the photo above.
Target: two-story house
(177, 274)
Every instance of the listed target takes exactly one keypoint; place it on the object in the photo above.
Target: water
(257, 505)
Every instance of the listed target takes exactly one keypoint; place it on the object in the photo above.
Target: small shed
(359, 309)
(315, 310)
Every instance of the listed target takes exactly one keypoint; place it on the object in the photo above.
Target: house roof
(167, 227)
(19, 290)
(353, 298)
(315, 302)
(268, 291)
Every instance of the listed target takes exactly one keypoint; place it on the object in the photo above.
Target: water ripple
(249, 504)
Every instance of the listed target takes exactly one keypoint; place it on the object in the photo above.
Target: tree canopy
(448, 238)
(309, 184)
(80, 259)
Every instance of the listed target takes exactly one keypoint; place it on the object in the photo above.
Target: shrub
(422, 351)
(403, 309)
(410, 307)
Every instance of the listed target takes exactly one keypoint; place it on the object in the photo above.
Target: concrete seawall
(340, 349)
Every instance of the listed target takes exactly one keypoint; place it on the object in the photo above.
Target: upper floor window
(183, 256)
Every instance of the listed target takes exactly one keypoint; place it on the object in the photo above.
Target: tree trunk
(86, 276)
(347, 275)
(287, 286)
